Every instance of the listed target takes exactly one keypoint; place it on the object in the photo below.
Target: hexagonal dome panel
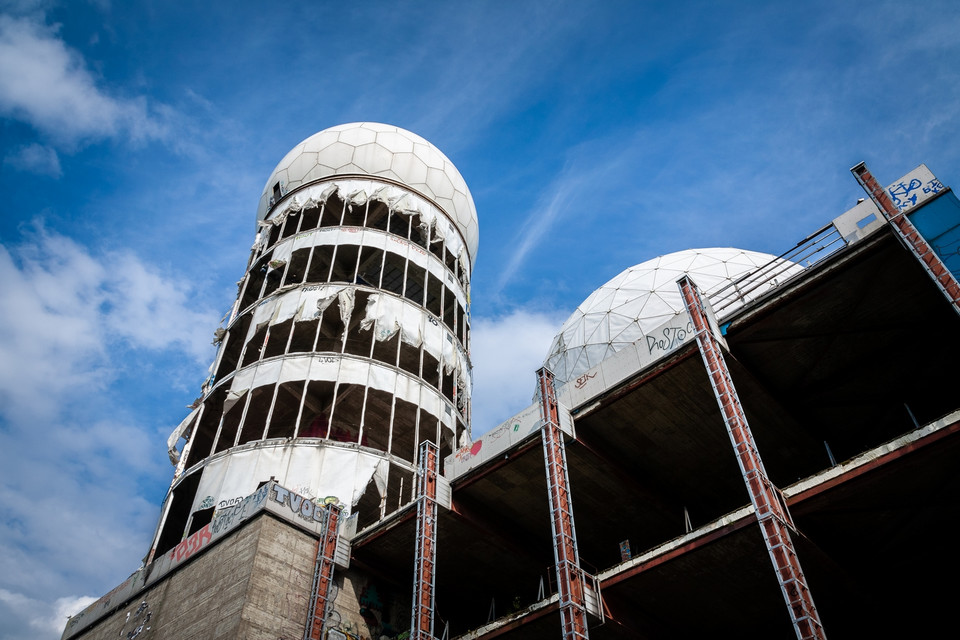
(641, 298)
(378, 150)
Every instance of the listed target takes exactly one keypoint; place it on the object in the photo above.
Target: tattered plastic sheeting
(185, 425)
(374, 238)
(313, 471)
(356, 193)
(343, 369)
(386, 315)
(307, 302)
(642, 298)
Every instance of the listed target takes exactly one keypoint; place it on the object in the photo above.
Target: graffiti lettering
(223, 504)
(582, 380)
(672, 338)
(303, 507)
(191, 545)
(901, 194)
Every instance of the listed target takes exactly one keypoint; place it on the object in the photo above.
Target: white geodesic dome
(379, 150)
(642, 298)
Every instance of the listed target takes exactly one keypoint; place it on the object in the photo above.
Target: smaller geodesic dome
(644, 297)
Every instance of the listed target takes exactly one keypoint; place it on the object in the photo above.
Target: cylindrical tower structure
(348, 344)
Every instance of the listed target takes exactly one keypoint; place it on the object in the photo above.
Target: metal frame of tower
(768, 503)
(323, 574)
(571, 584)
(424, 579)
(909, 236)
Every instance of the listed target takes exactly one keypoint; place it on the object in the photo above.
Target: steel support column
(768, 503)
(323, 574)
(421, 622)
(909, 235)
(570, 579)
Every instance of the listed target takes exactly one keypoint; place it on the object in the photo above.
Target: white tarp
(178, 433)
(312, 471)
(356, 192)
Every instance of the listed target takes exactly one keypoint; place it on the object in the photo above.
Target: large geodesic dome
(378, 150)
(644, 297)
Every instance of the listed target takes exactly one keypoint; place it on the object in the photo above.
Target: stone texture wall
(255, 585)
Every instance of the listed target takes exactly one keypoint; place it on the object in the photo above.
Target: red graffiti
(191, 545)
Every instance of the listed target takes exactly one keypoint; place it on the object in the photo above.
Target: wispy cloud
(47, 84)
(34, 158)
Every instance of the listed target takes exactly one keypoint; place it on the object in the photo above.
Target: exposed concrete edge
(514, 620)
(870, 459)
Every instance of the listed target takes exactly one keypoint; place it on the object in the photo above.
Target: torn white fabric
(315, 472)
(182, 428)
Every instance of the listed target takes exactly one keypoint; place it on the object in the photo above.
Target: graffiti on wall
(227, 517)
(137, 622)
(311, 510)
(191, 545)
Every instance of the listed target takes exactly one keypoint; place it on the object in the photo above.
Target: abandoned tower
(722, 442)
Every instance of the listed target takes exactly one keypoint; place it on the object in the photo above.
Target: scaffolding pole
(909, 236)
(570, 578)
(769, 506)
(421, 623)
(323, 574)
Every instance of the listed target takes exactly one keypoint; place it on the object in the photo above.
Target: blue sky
(137, 137)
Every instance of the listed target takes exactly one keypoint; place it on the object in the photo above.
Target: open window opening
(317, 402)
(332, 212)
(378, 216)
(275, 230)
(286, 407)
(418, 236)
(254, 282)
(415, 284)
(400, 488)
(434, 295)
(304, 336)
(256, 419)
(399, 225)
(206, 428)
(393, 269)
(255, 346)
(431, 370)
(310, 219)
(449, 304)
(353, 216)
(330, 335)
(386, 351)
(274, 277)
(345, 263)
(347, 413)
(176, 521)
(409, 358)
(233, 406)
(359, 343)
(200, 519)
(290, 225)
(297, 270)
(437, 247)
(276, 340)
(429, 429)
(376, 419)
(447, 386)
(403, 444)
(368, 506)
(233, 346)
(320, 263)
(370, 267)
(460, 323)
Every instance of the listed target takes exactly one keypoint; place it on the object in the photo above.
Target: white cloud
(506, 352)
(47, 84)
(35, 158)
(79, 466)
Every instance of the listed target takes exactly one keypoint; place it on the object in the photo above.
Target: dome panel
(640, 299)
(379, 151)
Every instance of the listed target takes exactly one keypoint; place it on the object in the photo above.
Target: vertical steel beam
(323, 574)
(570, 579)
(772, 515)
(909, 235)
(424, 579)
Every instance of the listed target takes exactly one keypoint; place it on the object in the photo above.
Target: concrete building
(766, 449)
